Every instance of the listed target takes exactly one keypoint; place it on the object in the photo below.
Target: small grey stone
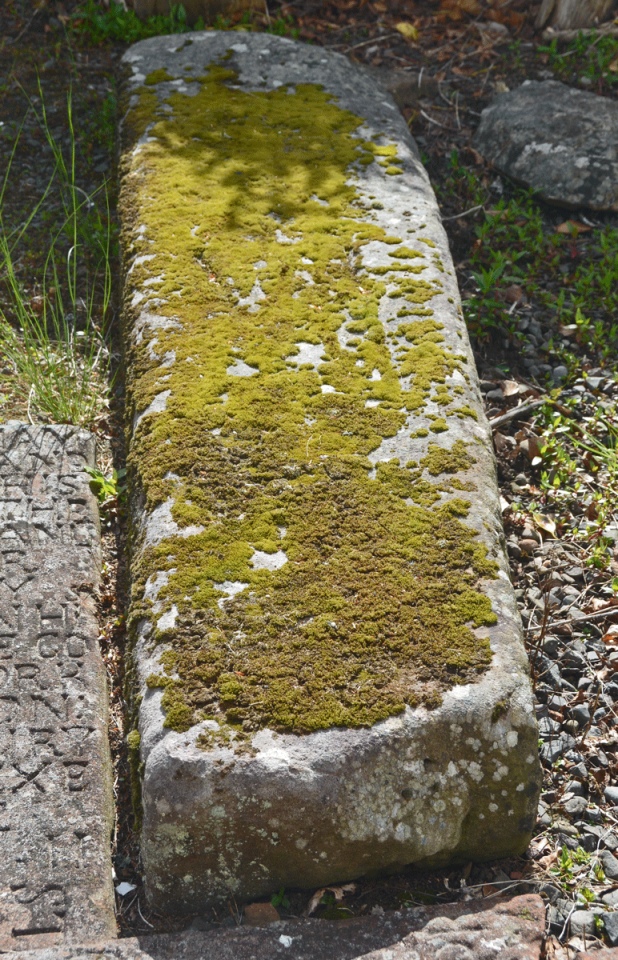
(609, 864)
(611, 898)
(582, 922)
(560, 373)
(581, 713)
(575, 787)
(610, 924)
(575, 807)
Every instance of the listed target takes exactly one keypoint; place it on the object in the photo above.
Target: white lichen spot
(254, 298)
(369, 404)
(500, 773)
(160, 525)
(230, 588)
(376, 375)
(520, 787)
(308, 354)
(282, 238)
(493, 807)
(327, 388)
(158, 405)
(240, 369)
(268, 561)
(512, 738)
(168, 620)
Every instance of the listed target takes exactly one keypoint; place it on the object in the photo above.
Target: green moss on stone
(372, 604)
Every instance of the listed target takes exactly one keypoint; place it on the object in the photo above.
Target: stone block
(327, 653)
(56, 810)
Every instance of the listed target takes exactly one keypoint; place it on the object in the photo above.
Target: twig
(365, 43)
(431, 120)
(517, 412)
(25, 28)
(458, 216)
(147, 922)
(597, 615)
(567, 35)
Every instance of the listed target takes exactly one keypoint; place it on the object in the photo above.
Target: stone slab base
(511, 930)
(328, 654)
(55, 774)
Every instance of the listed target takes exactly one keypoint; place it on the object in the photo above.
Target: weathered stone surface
(511, 930)
(331, 666)
(55, 777)
(561, 142)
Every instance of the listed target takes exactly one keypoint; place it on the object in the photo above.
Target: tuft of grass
(115, 24)
(53, 350)
(590, 60)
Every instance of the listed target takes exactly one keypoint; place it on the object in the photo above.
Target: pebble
(610, 924)
(576, 806)
(582, 922)
(560, 373)
(609, 864)
(611, 795)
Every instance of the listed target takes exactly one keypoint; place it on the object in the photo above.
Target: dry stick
(568, 35)
(458, 216)
(365, 43)
(517, 412)
(598, 615)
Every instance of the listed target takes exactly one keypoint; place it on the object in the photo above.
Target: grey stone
(244, 815)
(611, 795)
(610, 924)
(575, 806)
(610, 864)
(582, 922)
(581, 713)
(611, 898)
(476, 930)
(558, 140)
(55, 774)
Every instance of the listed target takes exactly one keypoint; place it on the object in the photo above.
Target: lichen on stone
(317, 590)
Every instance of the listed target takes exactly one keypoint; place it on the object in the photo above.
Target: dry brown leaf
(573, 228)
(337, 892)
(545, 524)
(511, 388)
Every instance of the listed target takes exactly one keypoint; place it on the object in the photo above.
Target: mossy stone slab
(327, 665)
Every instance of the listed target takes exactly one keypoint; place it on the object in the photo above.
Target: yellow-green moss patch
(248, 210)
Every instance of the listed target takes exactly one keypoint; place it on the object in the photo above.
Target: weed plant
(52, 344)
(116, 24)
(590, 58)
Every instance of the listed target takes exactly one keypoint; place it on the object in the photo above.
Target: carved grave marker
(55, 774)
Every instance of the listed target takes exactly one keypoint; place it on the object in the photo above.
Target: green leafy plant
(107, 489)
(117, 24)
(52, 345)
(279, 899)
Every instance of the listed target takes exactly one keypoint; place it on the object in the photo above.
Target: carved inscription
(55, 784)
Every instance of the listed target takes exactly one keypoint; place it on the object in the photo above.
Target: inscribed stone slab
(327, 649)
(55, 777)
